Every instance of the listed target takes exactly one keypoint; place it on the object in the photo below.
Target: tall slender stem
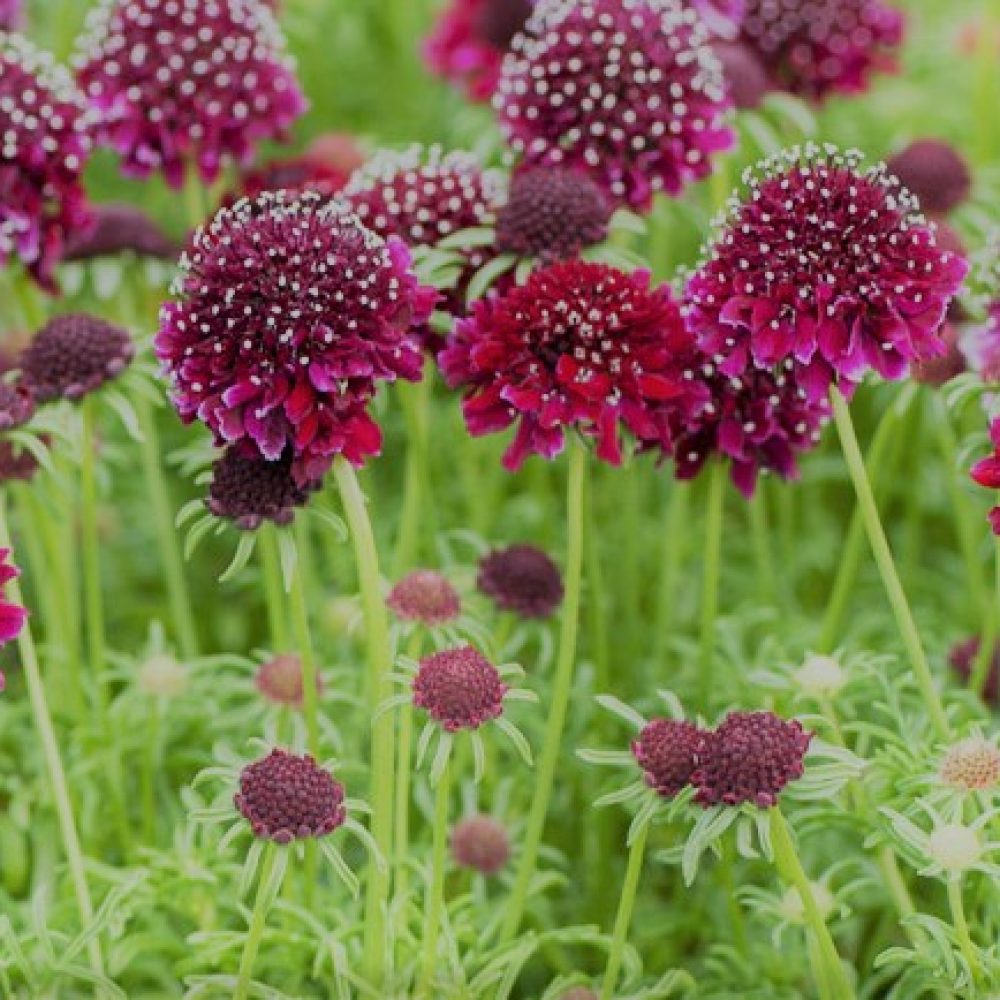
(383, 736)
(435, 898)
(274, 590)
(675, 538)
(760, 538)
(887, 568)
(710, 581)
(626, 903)
(961, 925)
(561, 690)
(404, 752)
(307, 657)
(258, 921)
(415, 400)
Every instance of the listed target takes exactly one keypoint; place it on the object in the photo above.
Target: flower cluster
(46, 142)
(181, 83)
(627, 90)
(521, 579)
(459, 689)
(986, 472)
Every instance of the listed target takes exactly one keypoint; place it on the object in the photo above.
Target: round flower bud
(424, 596)
(161, 676)
(972, 765)
(459, 688)
(279, 680)
(820, 676)
(935, 172)
(955, 847)
(522, 579)
(17, 405)
(480, 843)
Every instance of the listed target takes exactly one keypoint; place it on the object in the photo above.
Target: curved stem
(435, 900)
(561, 689)
(258, 921)
(626, 903)
(710, 581)
(961, 925)
(887, 568)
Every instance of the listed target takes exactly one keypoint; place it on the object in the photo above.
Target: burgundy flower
(962, 659)
(986, 472)
(426, 597)
(935, 172)
(668, 752)
(813, 47)
(295, 174)
(758, 420)
(46, 142)
(552, 213)
(750, 758)
(480, 843)
(73, 355)
(469, 40)
(279, 680)
(121, 228)
(285, 797)
(579, 345)
(288, 313)
(826, 266)
(250, 490)
(459, 688)
(744, 74)
(17, 464)
(627, 90)
(17, 405)
(184, 81)
(522, 579)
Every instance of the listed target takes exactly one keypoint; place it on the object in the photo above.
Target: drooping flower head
(815, 47)
(73, 355)
(935, 172)
(424, 596)
(552, 213)
(46, 141)
(121, 228)
(627, 90)
(972, 764)
(579, 346)
(285, 797)
(522, 579)
(668, 751)
(279, 680)
(288, 312)
(480, 843)
(12, 616)
(179, 82)
(459, 689)
(825, 266)
(986, 472)
(749, 758)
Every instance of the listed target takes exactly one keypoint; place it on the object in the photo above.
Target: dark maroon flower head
(825, 265)
(815, 47)
(579, 345)
(668, 751)
(469, 40)
(121, 228)
(250, 490)
(295, 174)
(744, 73)
(12, 616)
(758, 420)
(459, 688)
(285, 797)
(179, 82)
(17, 464)
(424, 596)
(962, 659)
(288, 313)
(73, 355)
(480, 843)
(46, 141)
(17, 405)
(522, 579)
(936, 372)
(627, 90)
(750, 758)
(935, 172)
(279, 680)
(552, 213)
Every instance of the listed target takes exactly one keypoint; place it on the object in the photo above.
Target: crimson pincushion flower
(186, 82)
(12, 616)
(579, 346)
(46, 142)
(424, 596)
(287, 314)
(825, 266)
(627, 90)
(459, 688)
(668, 751)
(522, 579)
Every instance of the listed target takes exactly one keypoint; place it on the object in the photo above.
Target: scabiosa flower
(668, 751)
(962, 659)
(424, 596)
(73, 355)
(279, 680)
(522, 579)
(935, 172)
(552, 213)
(744, 74)
(17, 405)
(295, 174)
(579, 345)
(826, 269)
(814, 47)
(46, 142)
(480, 843)
(986, 472)
(459, 689)
(12, 616)
(749, 758)
(288, 311)
(972, 764)
(121, 228)
(183, 81)
(627, 90)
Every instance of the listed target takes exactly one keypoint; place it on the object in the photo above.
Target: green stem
(258, 921)
(307, 657)
(887, 568)
(561, 690)
(382, 753)
(404, 751)
(435, 900)
(150, 766)
(757, 510)
(415, 400)
(961, 925)
(629, 561)
(675, 538)
(626, 903)
(274, 590)
(194, 196)
(53, 762)
(710, 579)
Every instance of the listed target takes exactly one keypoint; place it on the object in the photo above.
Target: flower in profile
(74, 355)
(46, 143)
(182, 82)
(552, 213)
(749, 758)
(279, 680)
(12, 616)
(121, 228)
(627, 90)
(668, 751)
(745, 75)
(424, 596)
(815, 47)
(579, 346)
(17, 405)
(962, 659)
(935, 172)
(459, 688)
(288, 312)
(986, 472)
(469, 40)
(972, 764)
(825, 269)
(480, 843)
(522, 579)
